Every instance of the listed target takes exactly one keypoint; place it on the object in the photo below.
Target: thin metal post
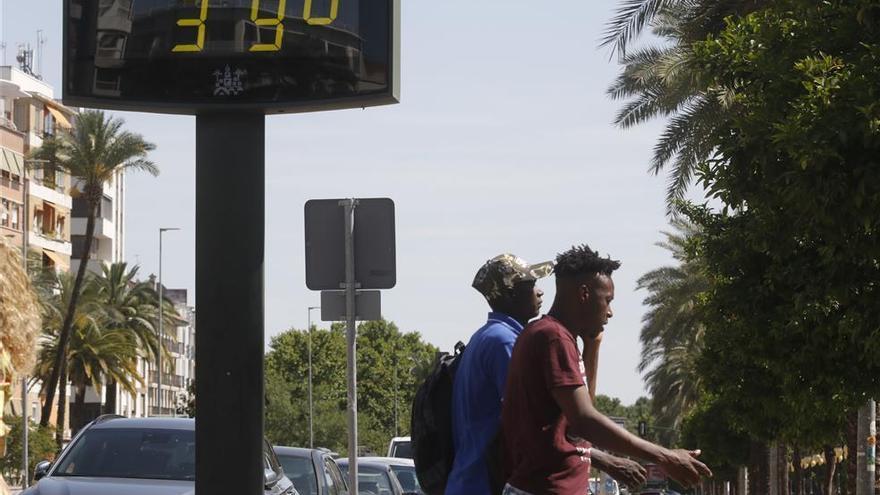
(25, 481)
(230, 248)
(866, 450)
(162, 230)
(161, 331)
(350, 311)
(311, 410)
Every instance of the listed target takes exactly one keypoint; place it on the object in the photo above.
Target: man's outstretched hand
(683, 466)
(626, 471)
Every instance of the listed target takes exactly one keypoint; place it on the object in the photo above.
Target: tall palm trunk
(110, 397)
(782, 478)
(852, 443)
(830, 468)
(77, 409)
(62, 411)
(759, 468)
(64, 336)
(798, 471)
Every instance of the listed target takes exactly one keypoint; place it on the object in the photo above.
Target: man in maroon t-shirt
(547, 408)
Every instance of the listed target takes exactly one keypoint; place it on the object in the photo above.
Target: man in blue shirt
(508, 284)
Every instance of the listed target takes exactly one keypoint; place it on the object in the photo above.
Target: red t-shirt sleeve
(563, 367)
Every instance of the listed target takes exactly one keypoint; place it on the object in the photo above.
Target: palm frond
(629, 22)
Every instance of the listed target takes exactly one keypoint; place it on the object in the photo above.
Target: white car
(400, 447)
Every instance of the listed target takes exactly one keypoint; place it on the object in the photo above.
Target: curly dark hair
(581, 260)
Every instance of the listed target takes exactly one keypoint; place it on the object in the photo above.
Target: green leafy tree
(95, 152)
(791, 325)
(391, 365)
(41, 447)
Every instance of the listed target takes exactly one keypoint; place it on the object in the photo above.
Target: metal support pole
(25, 479)
(311, 409)
(351, 315)
(230, 240)
(162, 230)
(865, 459)
(161, 332)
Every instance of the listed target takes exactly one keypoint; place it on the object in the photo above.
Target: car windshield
(132, 453)
(402, 449)
(406, 475)
(371, 481)
(301, 473)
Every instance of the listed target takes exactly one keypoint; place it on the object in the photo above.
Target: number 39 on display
(277, 22)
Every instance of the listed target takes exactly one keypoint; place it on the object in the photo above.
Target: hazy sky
(502, 142)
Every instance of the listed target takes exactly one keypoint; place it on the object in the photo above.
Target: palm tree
(89, 315)
(93, 153)
(664, 81)
(672, 331)
(132, 308)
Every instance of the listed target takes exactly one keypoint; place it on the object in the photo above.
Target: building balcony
(50, 243)
(10, 137)
(104, 229)
(53, 195)
(174, 381)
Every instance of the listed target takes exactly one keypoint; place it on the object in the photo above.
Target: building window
(59, 227)
(77, 244)
(48, 124)
(14, 211)
(80, 207)
(106, 208)
(4, 213)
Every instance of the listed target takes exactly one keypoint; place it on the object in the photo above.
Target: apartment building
(35, 203)
(32, 197)
(178, 372)
(108, 240)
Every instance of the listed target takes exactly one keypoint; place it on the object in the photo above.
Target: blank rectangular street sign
(367, 305)
(374, 244)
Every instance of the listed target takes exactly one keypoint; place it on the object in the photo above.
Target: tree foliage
(41, 447)
(391, 365)
(794, 254)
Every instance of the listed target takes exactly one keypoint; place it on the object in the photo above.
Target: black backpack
(431, 426)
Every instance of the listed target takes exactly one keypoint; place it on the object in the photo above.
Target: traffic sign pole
(350, 315)
(230, 233)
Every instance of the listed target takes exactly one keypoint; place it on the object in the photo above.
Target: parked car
(611, 487)
(312, 471)
(136, 456)
(385, 476)
(400, 447)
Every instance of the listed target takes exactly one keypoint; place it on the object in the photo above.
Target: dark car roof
(159, 423)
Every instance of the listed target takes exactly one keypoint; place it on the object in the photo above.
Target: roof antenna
(41, 40)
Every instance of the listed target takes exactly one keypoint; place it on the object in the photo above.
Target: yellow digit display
(279, 26)
(320, 21)
(200, 23)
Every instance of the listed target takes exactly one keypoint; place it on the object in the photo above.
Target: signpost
(231, 63)
(367, 261)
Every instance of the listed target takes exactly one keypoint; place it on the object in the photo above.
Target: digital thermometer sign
(192, 56)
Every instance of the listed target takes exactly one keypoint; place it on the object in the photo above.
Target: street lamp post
(162, 230)
(311, 422)
(24, 251)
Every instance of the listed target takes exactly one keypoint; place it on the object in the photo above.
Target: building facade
(35, 201)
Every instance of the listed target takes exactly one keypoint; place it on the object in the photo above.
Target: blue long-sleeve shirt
(476, 402)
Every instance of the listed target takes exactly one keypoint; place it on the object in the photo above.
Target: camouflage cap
(504, 271)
